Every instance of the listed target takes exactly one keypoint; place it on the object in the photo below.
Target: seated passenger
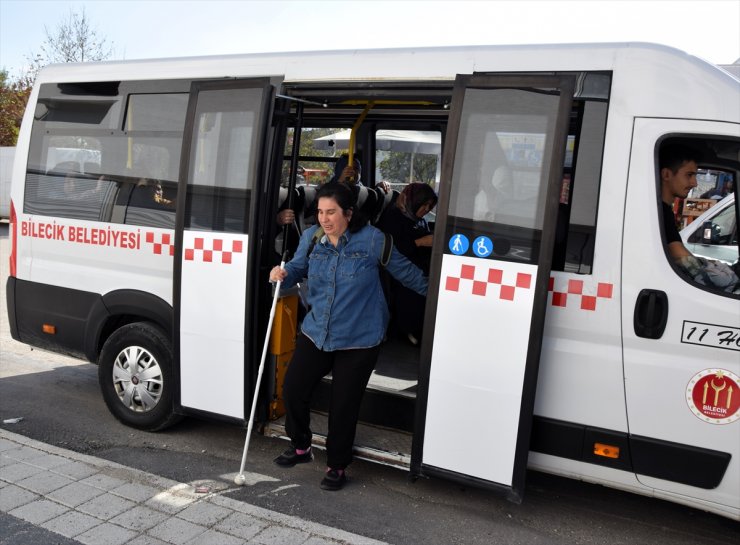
(344, 172)
(678, 168)
(413, 238)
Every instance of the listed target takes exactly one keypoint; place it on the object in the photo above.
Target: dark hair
(341, 164)
(346, 198)
(417, 194)
(673, 155)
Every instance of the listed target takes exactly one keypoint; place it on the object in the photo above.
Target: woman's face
(424, 209)
(332, 218)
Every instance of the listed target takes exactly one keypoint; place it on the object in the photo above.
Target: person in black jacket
(412, 237)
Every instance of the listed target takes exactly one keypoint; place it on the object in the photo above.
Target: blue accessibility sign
(459, 244)
(482, 246)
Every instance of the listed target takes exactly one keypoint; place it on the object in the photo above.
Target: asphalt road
(59, 401)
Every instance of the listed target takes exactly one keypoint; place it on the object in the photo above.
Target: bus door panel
(222, 158)
(501, 178)
(681, 383)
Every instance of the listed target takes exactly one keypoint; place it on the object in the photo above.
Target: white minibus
(558, 334)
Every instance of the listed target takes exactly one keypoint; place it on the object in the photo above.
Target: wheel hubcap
(137, 379)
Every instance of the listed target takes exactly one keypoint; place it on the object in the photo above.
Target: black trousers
(350, 370)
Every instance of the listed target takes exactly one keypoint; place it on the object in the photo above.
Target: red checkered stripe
(574, 294)
(162, 243)
(494, 277)
(218, 250)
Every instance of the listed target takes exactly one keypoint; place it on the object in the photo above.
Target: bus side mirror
(710, 233)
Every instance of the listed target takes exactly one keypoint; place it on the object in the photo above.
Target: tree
(73, 40)
(13, 99)
(396, 167)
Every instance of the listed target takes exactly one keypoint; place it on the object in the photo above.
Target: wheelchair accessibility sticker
(482, 246)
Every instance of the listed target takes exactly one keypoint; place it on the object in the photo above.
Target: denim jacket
(348, 308)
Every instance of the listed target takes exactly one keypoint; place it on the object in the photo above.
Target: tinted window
(96, 149)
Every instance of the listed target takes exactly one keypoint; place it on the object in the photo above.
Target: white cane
(240, 479)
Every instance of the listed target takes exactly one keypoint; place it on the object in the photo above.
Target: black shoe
(334, 479)
(290, 457)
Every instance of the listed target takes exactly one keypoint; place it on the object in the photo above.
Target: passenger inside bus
(412, 236)
(678, 165)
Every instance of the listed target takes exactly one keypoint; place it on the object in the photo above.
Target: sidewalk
(96, 502)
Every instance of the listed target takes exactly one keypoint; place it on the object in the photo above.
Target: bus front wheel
(135, 375)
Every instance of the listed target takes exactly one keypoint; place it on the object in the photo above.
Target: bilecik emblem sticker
(713, 396)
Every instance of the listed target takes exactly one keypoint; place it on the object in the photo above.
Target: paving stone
(5, 461)
(211, 537)
(17, 471)
(169, 502)
(147, 540)
(176, 530)
(22, 453)
(74, 494)
(106, 506)
(47, 461)
(103, 481)
(71, 524)
(136, 492)
(314, 540)
(45, 482)
(204, 513)
(76, 470)
(241, 525)
(106, 534)
(279, 535)
(6, 445)
(14, 496)
(140, 518)
(39, 511)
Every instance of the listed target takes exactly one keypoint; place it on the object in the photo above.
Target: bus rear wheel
(135, 376)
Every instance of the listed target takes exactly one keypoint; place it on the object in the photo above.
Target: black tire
(142, 399)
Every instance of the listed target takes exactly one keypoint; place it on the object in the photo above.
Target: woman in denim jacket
(342, 332)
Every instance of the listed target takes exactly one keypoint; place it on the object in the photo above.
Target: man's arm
(677, 250)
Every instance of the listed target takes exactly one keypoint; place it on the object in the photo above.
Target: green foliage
(397, 166)
(13, 99)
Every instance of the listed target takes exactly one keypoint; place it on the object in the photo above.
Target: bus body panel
(212, 339)
(477, 367)
(679, 387)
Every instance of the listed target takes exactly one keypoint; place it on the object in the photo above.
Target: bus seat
(367, 202)
(384, 200)
(308, 199)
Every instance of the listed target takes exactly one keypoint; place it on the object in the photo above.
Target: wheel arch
(120, 307)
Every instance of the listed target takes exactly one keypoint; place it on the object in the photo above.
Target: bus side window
(683, 167)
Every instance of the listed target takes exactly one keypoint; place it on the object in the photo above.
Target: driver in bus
(678, 168)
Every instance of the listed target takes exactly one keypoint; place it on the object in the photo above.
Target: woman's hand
(278, 274)
(285, 217)
(426, 240)
(385, 186)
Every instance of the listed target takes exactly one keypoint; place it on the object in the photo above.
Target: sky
(137, 29)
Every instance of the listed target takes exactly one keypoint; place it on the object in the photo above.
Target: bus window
(103, 151)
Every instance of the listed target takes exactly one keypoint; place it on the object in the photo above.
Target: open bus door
(501, 178)
(221, 165)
